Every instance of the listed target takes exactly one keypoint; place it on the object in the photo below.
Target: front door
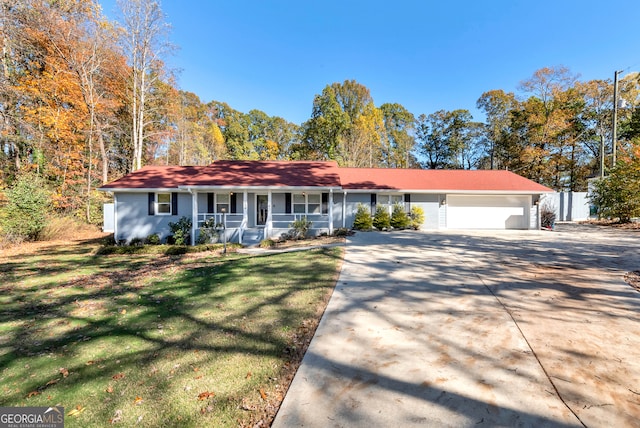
(262, 209)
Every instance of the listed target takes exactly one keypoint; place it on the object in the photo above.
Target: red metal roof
(233, 173)
(323, 174)
(438, 179)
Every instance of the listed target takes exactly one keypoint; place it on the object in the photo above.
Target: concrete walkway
(468, 329)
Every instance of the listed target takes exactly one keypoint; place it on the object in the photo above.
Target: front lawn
(157, 340)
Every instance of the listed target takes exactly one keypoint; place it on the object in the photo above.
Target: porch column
(245, 214)
(330, 211)
(194, 216)
(344, 209)
(268, 226)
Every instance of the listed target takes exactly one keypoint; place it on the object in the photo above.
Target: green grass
(139, 338)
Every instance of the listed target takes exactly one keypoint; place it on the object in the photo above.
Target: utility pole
(614, 141)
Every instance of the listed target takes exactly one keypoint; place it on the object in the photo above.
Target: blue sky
(276, 55)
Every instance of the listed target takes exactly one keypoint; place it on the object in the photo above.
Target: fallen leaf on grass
(33, 394)
(75, 412)
(206, 395)
(138, 400)
(248, 376)
(53, 382)
(64, 372)
(263, 394)
(116, 417)
(198, 377)
(117, 376)
(109, 389)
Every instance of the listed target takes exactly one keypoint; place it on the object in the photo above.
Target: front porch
(247, 217)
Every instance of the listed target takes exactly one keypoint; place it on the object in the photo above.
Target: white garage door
(487, 212)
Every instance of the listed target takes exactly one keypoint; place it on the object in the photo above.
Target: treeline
(84, 100)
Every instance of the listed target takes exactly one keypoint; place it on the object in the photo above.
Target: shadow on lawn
(164, 305)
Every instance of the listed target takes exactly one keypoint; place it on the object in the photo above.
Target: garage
(488, 211)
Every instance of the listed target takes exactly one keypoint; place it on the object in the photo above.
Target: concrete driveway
(477, 329)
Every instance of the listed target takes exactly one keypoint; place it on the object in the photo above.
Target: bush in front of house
(152, 239)
(181, 231)
(300, 228)
(416, 217)
(399, 217)
(363, 220)
(382, 219)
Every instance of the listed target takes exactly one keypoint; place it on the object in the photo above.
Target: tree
(449, 139)
(25, 214)
(399, 126)
(345, 126)
(618, 194)
(497, 106)
(145, 44)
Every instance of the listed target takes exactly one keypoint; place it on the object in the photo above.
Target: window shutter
(407, 197)
(152, 203)
(233, 202)
(174, 204)
(209, 203)
(287, 203)
(374, 201)
(325, 203)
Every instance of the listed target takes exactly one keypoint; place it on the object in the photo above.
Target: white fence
(568, 206)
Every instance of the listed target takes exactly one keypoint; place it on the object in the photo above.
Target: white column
(194, 216)
(268, 226)
(330, 211)
(344, 209)
(245, 215)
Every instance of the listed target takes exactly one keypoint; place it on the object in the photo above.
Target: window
(163, 203)
(299, 203)
(304, 203)
(222, 201)
(313, 204)
(390, 200)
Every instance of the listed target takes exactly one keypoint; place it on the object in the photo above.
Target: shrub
(399, 217)
(382, 219)
(547, 216)
(417, 217)
(209, 232)
(343, 231)
(136, 242)
(363, 219)
(181, 231)
(152, 239)
(267, 243)
(25, 214)
(300, 228)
